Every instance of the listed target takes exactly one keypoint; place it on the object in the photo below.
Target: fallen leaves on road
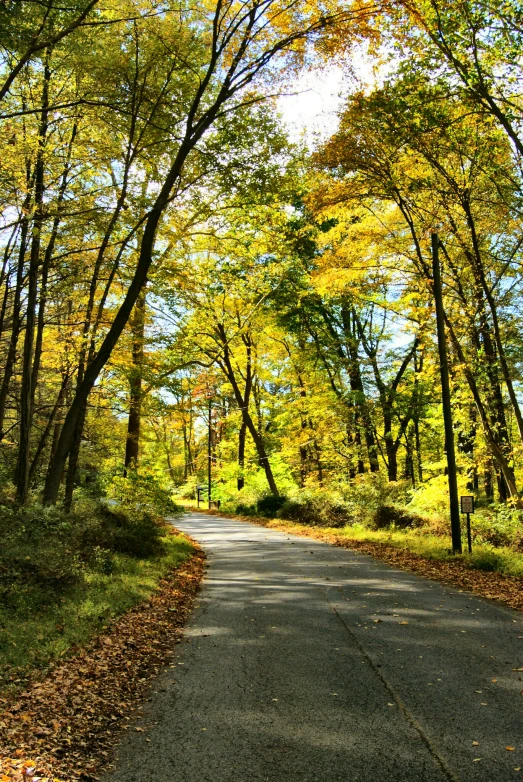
(66, 722)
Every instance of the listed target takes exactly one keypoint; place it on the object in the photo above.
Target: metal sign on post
(199, 491)
(467, 507)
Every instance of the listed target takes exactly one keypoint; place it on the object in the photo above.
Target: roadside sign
(467, 507)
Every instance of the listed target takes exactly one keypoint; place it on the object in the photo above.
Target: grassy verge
(36, 631)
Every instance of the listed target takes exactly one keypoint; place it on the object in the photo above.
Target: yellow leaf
(510, 749)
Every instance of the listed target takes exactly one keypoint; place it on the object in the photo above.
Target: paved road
(310, 663)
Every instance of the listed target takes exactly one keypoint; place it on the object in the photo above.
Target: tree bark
(26, 393)
(241, 454)
(132, 445)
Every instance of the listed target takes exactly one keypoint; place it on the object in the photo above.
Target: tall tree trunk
(16, 316)
(132, 445)
(241, 454)
(26, 393)
(479, 272)
(356, 383)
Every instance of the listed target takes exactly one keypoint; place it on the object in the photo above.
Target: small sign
(467, 504)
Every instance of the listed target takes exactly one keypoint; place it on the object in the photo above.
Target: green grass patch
(50, 620)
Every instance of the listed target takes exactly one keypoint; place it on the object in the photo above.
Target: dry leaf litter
(63, 726)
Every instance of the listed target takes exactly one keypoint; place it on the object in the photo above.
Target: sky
(310, 108)
(312, 103)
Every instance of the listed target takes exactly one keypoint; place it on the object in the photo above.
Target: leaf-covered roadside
(494, 586)
(64, 725)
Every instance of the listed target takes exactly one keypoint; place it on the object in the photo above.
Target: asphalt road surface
(306, 662)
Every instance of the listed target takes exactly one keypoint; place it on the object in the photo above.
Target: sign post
(467, 507)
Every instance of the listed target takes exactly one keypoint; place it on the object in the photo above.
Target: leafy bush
(143, 491)
(487, 559)
(499, 525)
(387, 516)
(245, 510)
(362, 495)
(44, 552)
(131, 531)
(187, 491)
(270, 504)
(298, 510)
(39, 555)
(316, 511)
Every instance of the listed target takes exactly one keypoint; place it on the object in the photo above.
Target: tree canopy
(185, 287)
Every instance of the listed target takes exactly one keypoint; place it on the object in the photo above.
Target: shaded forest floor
(454, 571)
(64, 724)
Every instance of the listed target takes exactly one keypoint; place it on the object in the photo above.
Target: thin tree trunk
(49, 425)
(132, 445)
(26, 393)
(16, 318)
(241, 454)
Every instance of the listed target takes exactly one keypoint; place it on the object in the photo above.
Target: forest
(206, 300)
(188, 291)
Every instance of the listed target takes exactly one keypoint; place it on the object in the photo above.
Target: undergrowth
(371, 509)
(63, 577)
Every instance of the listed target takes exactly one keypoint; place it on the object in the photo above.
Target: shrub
(187, 491)
(245, 510)
(316, 511)
(499, 525)
(122, 530)
(366, 492)
(39, 555)
(45, 552)
(270, 504)
(298, 510)
(387, 516)
(143, 491)
(486, 559)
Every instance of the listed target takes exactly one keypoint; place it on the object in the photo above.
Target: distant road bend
(306, 662)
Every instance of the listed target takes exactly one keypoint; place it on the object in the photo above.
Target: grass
(31, 639)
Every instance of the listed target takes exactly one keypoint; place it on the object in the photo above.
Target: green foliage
(63, 575)
(133, 531)
(270, 504)
(432, 497)
(387, 516)
(316, 511)
(187, 491)
(369, 491)
(488, 559)
(38, 631)
(142, 491)
(498, 525)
